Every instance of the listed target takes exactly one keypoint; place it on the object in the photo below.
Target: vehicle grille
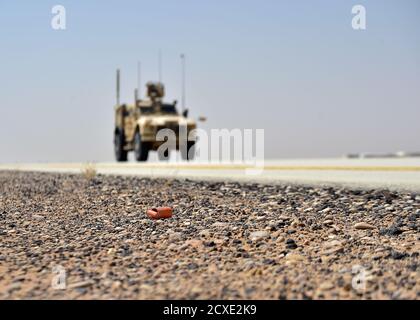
(173, 127)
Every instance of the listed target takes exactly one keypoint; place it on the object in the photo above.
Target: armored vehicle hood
(162, 120)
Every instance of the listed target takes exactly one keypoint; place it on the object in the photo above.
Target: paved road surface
(393, 174)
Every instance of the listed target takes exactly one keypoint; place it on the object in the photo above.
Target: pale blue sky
(295, 68)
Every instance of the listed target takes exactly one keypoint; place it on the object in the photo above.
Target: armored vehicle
(137, 126)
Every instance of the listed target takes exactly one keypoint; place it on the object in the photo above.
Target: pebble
(332, 247)
(81, 284)
(291, 244)
(363, 226)
(219, 225)
(175, 236)
(326, 285)
(258, 235)
(294, 258)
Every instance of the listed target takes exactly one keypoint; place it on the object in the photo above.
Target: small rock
(269, 261)
(204, 233)
(396, 255)
(297, 223)
(172, 247)
(175, 236)
(279, 238)
(294, 258)
(258, 235)
(291, 244)
(332, 247)
(219, 225)
(326, 285)
(14, 286)
(392, 231)
(81, 284)
(363, 226)
(192, 266)
(209, 243)
(326, 210)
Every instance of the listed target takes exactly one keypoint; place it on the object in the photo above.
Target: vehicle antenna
(136, 96)
(160, 65)
(139, 79)
(183, 97)
(118, 87)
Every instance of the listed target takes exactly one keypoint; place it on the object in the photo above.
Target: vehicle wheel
(119, 141)
(190, 151)
(141, 149)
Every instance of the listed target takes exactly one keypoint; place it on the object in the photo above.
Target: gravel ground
(225, 241)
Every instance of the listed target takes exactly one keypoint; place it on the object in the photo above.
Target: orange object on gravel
(160, 213)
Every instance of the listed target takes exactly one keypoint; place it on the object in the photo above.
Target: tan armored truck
(137, 126)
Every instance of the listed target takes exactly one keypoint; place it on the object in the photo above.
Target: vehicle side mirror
(185, 113)
(202, 119)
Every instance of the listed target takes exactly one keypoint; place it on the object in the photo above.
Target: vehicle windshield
(146, 110)
(165, 108)
(168, 108)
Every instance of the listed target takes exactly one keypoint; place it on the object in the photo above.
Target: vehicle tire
(119, 142)
(141, 149)
(190, 151)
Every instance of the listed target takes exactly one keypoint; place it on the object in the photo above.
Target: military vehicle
(137, 125)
